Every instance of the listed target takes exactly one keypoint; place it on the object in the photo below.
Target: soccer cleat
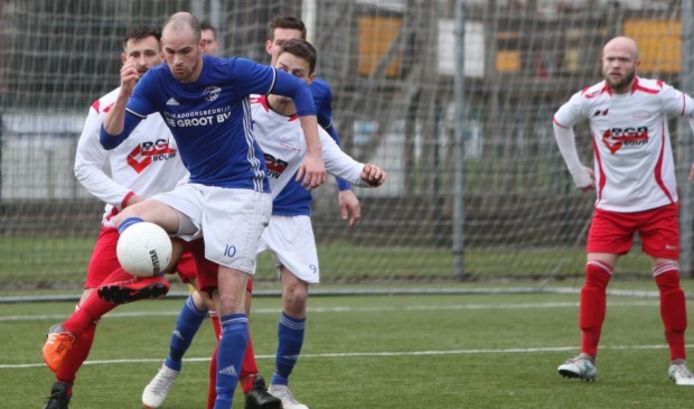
(122, 292)
(288, 401)
(580, 367)
(58, 343)
(155, 391)
(60, 396)
(680, 374)
(259, 398)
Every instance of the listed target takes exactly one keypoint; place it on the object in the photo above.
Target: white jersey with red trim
(633, 162)
(145, 164)
(284, 147)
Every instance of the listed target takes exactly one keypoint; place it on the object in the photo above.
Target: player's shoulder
(648, 86)
(105, 102)
(320, 87)
(593, 91)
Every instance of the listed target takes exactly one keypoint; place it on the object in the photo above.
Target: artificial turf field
(375, 352)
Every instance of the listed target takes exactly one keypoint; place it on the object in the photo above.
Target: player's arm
(119, 123)
(347, 201)
(564, 119)
(312, 169)
(252, 78)
(676, 102)
(339, 164)
(90, 159)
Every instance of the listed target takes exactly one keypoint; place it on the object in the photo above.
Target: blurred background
(453, 98)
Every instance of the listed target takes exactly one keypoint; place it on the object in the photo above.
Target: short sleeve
(252, 78)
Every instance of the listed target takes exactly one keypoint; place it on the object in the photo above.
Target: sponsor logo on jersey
(211, 93)
(275, 166)
(616, 138)
(148, 152)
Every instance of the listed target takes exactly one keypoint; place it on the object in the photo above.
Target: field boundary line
(473, 351)
(317, 292)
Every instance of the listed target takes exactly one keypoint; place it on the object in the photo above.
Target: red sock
(77, 355)
(673, 309)
(593, 305)
(249, 368)
(93, 308)
(211, 391)
(216, 325)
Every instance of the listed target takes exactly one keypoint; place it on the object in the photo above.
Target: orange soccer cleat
(58, 343)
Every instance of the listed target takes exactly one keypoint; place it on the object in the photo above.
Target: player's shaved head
(620, 60)
(182, 21)
(623, 44)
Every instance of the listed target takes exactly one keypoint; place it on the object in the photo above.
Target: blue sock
(187, 324)
(229, 357)
(128, 222)
(290, 338)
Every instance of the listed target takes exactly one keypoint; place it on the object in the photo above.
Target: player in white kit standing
(634, 179)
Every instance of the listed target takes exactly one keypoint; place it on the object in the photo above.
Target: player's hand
(311, 173)
(132, 200)
(584, 178)
(373, 175)
(349, 206)
(128, 77)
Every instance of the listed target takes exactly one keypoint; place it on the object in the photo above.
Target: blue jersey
(210, 117)
(294, 199)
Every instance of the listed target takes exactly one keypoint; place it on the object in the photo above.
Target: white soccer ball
(144, 249)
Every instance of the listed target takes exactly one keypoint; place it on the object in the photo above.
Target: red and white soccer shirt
(146, 163)
(284, 147)
(633, 163)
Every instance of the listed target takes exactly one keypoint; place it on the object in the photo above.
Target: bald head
(182, 22)
(620, 59)
(183, 46)
(622, 44)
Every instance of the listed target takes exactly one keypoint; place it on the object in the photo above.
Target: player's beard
(622, 82)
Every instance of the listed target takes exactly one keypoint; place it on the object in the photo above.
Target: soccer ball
(144, 249)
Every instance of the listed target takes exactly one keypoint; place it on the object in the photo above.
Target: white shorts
(290, 238)
(230, 221)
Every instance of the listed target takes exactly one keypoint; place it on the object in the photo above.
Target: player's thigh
(293, 246)
(103, 260)
(610, 232)
(233, 222)
(179, 211)
(660, 233)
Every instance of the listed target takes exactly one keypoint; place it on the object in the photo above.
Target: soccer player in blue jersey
(203, 100)
(294, 199)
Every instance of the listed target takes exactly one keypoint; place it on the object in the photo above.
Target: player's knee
(598, 275)
(667, 276)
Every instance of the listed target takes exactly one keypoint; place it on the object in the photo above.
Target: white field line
(370, 354)
(453, 307)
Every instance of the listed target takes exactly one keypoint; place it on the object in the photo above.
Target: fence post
(459, 150)
(685, 145)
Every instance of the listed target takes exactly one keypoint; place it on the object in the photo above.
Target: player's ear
(123, 58)
(311, 77)
(268, 46)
